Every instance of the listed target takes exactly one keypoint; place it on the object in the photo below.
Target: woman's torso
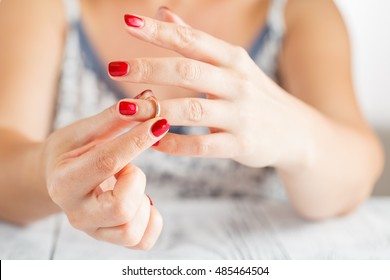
(97, 35)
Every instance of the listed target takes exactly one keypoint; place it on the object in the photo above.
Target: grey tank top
(85, 89)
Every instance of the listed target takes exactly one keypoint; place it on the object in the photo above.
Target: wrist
(35, 171)
(24, 196)
(36, 167)
(297, 144)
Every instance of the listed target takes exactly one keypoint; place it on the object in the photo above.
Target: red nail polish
(128, 108)
(156, 144)
(134, 21)
(151, 202)
(118, 68)
(160, 127)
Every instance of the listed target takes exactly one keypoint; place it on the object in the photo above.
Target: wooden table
(218, 229)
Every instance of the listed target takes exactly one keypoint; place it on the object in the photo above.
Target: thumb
(104, 125)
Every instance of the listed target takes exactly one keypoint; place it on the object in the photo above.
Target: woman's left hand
(249, 116)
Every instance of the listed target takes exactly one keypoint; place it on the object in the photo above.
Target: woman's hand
(312, 145)
(245, 111)
(89, 175)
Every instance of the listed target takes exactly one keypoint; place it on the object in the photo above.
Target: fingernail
(118, 68)
(128, 108)
(164, 8)
(160, 13)
(134, 21)
(156, 144)
(160, 127)
(151, 202)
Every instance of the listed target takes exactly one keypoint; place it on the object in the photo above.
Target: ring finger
(189, 112)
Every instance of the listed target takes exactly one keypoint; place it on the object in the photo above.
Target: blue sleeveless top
(85, 89)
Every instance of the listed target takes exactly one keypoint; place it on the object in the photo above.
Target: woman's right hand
(79, 160)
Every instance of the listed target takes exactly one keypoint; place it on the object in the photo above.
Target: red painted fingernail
(151, 202)
(134, 21)
(118, 68)
(128, 108)
(156, 144)
(160, 127)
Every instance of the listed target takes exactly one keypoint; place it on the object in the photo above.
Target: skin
(326, 155)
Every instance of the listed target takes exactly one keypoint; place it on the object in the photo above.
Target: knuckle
(153, 30)
(184, 37)
(140, 142)
(141, 70)
(140, 177)
(173, 146)
(195, 110)
(123, 211)
(117, 209)
(106, 162)
(131, 237)
(188, 70)
(239, 58)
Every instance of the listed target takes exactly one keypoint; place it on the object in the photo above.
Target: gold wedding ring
(148, 95)
(157, 105)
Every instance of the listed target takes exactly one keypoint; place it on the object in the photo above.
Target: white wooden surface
(218, 229)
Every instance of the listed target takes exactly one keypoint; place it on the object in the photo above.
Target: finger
(146, 107)
(152, 232)
(119, 205)
(101, 126)
(216, 145)
(174, 71)
(165, 14)
(184, 40)
(190, 112)
(129, 234)
(90, 169)
(200, 112)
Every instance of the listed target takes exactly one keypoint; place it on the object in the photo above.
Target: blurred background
(369, 24)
